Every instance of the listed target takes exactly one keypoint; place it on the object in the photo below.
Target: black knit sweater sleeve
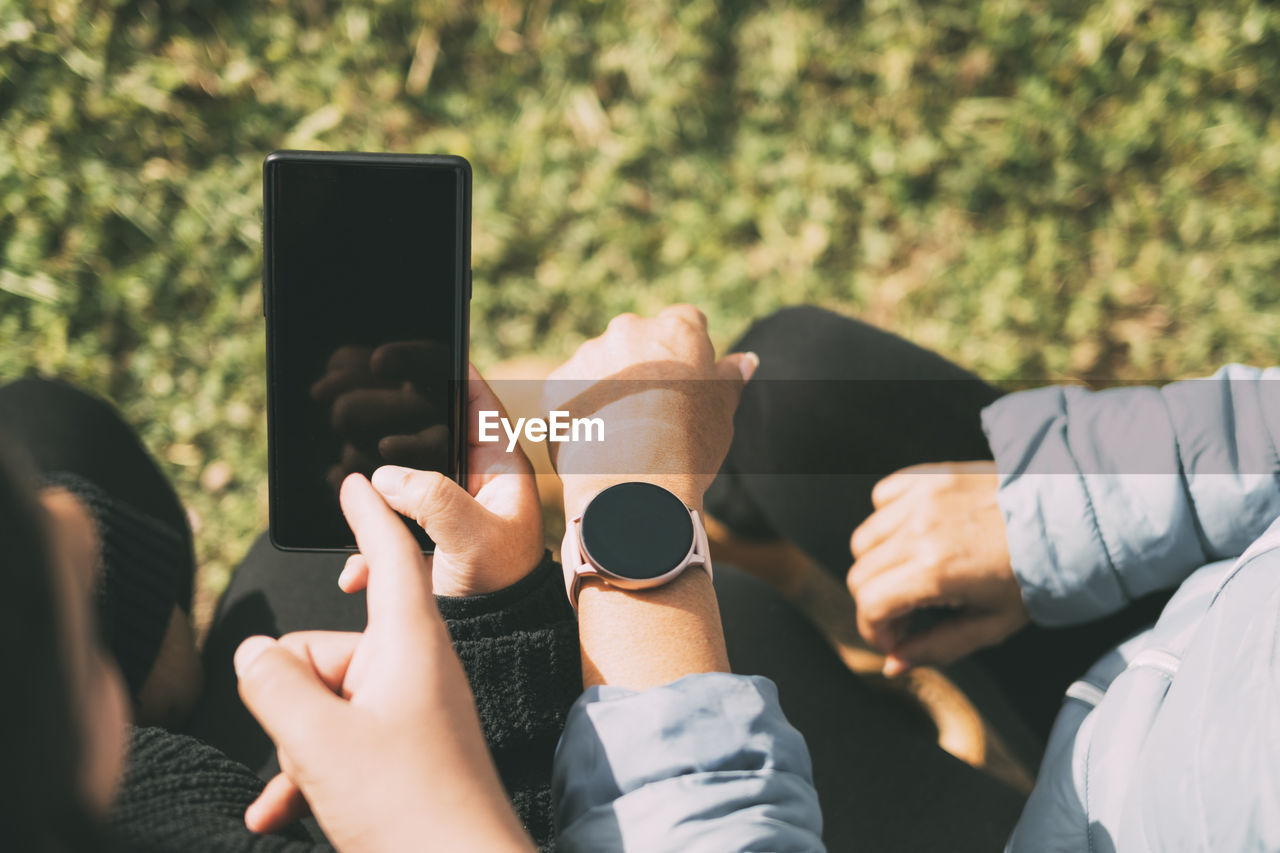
(519, 647)
(181, 795)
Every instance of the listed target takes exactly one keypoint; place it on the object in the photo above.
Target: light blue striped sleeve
(708, 762)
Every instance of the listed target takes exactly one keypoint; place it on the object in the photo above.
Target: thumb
(286, 696)
(947, 641)
(279, 804)
(738, 366)
(441, 507)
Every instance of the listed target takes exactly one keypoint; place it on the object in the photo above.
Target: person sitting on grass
(1137, 528)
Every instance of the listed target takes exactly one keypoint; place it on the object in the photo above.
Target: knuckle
(263, 677)
(860, 543)
(428, 488)
(883, 488)
(920, 523)
(685, 313)
(932, 507)
(928, 552)
(592, 345)
(932, 560)
(294, 643)
(871, 606)
(623, 321)
(928, 482)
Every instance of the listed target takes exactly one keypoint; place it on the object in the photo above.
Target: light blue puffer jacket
(1172, 740)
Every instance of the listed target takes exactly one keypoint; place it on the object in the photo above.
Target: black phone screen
(366, 282)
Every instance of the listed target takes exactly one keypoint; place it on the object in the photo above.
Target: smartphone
(366, 291)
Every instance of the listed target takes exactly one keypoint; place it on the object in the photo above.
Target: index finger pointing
(399, 587)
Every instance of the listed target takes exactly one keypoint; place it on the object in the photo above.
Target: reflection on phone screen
(366, 274)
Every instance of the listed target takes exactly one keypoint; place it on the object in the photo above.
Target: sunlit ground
(1038, 190)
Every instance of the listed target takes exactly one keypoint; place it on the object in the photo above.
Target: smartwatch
(633, 536)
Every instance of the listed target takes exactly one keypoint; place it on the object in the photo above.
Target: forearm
(663, 749)
(652, 637)
(644, 639)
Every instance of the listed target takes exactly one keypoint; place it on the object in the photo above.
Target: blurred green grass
(1047, 190)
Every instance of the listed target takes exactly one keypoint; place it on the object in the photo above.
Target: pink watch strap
(576, 566)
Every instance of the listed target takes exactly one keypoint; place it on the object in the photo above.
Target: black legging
(835, 406)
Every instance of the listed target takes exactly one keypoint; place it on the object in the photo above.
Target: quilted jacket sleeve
(708, 762)
(1109, 495)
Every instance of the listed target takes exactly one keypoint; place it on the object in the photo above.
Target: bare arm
(672, 428)
(644, 639)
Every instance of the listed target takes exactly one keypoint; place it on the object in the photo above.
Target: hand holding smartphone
(366, 290)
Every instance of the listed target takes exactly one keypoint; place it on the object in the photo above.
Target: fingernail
(344, 576)
(748, 364)
(894, 666)
(389, 479)
(249, 651)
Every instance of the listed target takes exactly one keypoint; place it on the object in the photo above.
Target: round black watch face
(637, 530)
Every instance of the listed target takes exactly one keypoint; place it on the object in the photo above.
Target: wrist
(646, 638)
(579, 489)
(651, 438)
(636, 566)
